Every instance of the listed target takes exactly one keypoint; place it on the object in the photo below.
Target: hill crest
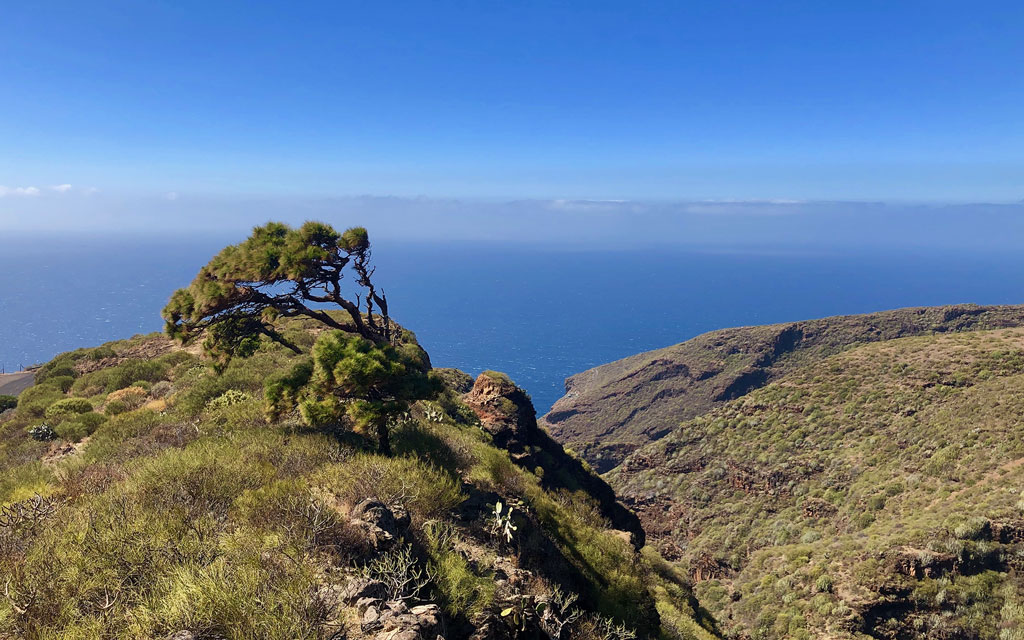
(613, 409)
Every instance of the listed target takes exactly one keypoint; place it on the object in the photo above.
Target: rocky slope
(874, 493)
(143, 495)
(855, 477)
(611, 410)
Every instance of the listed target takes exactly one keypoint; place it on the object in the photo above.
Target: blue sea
(538, 313)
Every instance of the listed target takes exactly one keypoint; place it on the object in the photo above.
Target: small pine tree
(355, 380)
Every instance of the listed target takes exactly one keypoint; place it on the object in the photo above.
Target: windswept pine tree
(357, 378)
(279, 272)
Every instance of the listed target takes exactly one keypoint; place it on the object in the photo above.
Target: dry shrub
(131, 397)
(156, 405)
(85, 480)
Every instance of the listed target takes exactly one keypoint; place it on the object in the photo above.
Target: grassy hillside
(611, 410)
(144, 495)
(876, 492)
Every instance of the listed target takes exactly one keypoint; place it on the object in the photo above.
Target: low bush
(34, 401)
(7, 402)
(42, 432)
(425, 491)
(202, 479)
(229, 398)
(460, 589)
(161, 389)
(122, 375)
(115, 407)
(67, 407)
(55, 369)
(64, 383)
(80, 426)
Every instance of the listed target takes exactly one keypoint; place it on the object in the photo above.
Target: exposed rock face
(392, 619)
(611, 410)
(358, 589)
(506, 412)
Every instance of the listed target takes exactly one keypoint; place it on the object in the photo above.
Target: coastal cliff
(611, 410)
(853, 477)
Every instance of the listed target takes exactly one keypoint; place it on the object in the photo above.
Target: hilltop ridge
(144, 494)
(611, 410)
(856, 477)
(873, 493)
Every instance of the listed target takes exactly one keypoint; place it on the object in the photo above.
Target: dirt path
(11, 384)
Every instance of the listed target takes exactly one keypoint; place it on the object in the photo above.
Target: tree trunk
(383, 437)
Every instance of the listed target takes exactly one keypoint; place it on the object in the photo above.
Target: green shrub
(976, 528)
(121, 376)
(204, 478)
(823, 584)
(68, 406)
(71, 431)
(101, 352)
(461, 591)
(876, 503)
(202, 386)
(64, 383)
(7, 402)
(42, 432)
(58, 370)
(246, 594)
(229, 398)
(22, 482)
(78, 427)
(34, 401)
(115, 407)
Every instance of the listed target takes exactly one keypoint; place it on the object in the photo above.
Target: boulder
(380, 524)
(505, 411)
(359, 588)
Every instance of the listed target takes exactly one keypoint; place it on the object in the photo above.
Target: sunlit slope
(877, 491)
(144, 495)
(611, 410)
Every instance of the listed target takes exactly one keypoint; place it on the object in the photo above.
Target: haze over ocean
(538, 313)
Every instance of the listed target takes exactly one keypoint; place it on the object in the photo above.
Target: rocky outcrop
(396, 620)
(384, 619)
(455, 379)
(611, 410)
(506, 412)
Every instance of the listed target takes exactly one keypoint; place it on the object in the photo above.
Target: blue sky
(919, 101)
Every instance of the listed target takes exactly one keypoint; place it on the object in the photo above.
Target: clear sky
(824, 100)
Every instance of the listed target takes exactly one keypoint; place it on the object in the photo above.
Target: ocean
(537, 313)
